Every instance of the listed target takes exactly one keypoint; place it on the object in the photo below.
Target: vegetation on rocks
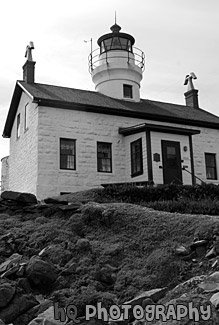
(80, 250)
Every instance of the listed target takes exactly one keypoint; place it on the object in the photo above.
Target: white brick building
(65, 140)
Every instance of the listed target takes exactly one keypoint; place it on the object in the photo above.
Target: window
(136, 158)
(104, 157)
(127, 91)
(26, 117)
(67, 154)
(210, 163)
(18, 125)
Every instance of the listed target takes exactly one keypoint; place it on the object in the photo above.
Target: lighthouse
(116, 66)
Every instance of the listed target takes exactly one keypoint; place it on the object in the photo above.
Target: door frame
(165, 143)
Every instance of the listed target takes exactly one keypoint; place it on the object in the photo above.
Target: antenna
(115, 17)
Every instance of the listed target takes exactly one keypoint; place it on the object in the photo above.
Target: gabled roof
(76, 99)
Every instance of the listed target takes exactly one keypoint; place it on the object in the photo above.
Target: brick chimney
(191, 95)
(29, 66)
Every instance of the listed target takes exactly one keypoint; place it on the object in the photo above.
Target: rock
(154, 294)
(6, 294)
(51, 200)
(33, 312)
(83, 244)
(12, 270)
(105, 275)
(211, 253)
(198, 243)
(182, 250)
(147, 301)
(188, 257)
(211, 283)
(215, 300)
(214, 264)
(41, 273)
(45, 251)
(200, 251)
(46, 318)
(19, 197)
(13, 259)
(25, 285)
(70, 268)
(18, 305)
(74, 207)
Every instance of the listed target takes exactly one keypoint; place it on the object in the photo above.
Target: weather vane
(188, 80)
(28, 53)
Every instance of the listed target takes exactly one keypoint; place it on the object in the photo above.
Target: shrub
(206, 206)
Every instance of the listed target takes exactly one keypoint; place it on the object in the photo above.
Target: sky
(177, 37)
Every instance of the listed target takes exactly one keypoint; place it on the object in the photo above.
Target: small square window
(127, 91)
(67, 154)
(210, 164)
(104, 157)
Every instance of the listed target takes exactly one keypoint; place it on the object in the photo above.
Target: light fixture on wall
(185, 148)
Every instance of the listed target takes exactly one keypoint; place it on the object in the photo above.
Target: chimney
(29, 66)
(191, 95)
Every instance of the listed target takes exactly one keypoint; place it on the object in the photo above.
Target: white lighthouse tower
(117, 66)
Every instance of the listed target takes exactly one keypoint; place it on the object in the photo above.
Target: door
(172, 170)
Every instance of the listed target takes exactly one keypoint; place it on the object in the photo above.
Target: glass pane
(116, 43)
(107, 44)
(171, 151)
(124, 43)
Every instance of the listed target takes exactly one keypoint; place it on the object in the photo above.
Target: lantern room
(116, 66)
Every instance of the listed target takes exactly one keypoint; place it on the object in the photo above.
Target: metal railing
(202, 182)
(136, 57)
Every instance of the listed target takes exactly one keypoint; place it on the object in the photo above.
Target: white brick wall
(87, 129)
(4, 174)
(23, 151)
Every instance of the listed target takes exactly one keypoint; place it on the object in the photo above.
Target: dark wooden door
(172, 170)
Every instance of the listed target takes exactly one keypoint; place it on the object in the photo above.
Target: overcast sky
(177, 36)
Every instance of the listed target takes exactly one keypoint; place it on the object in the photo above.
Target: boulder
(27, 198)
(41, 273)
(18, 305)
(7, 292)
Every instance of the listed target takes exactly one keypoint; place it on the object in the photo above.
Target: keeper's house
(65, 140)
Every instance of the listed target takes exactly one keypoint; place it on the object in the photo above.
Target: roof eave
(12, 111)
(13, 108)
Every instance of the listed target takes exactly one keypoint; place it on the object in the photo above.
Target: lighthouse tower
(117, 66)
